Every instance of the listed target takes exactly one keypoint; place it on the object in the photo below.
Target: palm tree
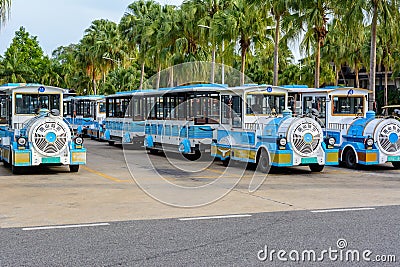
(246, 23)
(279, 10)
(211, 33)
(314, 16)
(137, 26)
(388, 41)
(5, 7)
(381, 12)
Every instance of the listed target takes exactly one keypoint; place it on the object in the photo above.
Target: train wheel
(350, 159)
(6, 164)
(73, 168)
(193, 157)
(15, 169)
(225, 162)
(396, 164)
(316, 167)
(111, 143)
(153, 151)
(263, 163)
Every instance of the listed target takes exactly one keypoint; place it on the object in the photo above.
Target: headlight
(21, 141)
(78, 140)
(369, 142)
(282, 142)
(331, 141)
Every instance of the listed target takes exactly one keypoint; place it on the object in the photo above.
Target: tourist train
(268, 125)
(361, 137)
(35, 132)
(257, 127)
(125, 118)
(85, 113)
(183, 119)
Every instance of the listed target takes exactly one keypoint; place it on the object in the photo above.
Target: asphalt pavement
(229, 241)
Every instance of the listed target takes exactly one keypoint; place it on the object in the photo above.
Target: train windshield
(31, 103)
(264, 104)
(348, 105)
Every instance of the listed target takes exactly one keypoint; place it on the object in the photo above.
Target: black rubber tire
(6, 164)
(111, 143)
(193, 157)
(316, 167)
(153, 151)
(225, 162)
(263, 164)
(73, 168)
(15, 169)
(396, 164)
(350, 159)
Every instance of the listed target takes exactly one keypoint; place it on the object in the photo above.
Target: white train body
(360, 137)
(36, 133)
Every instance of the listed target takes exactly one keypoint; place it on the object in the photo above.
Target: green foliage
(24, 60)
(249, 35)
(121, 79)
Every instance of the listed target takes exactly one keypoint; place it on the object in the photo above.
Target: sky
(61, 22)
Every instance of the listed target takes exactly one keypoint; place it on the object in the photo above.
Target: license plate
(51, 160)
(393, 158)
(309, 160)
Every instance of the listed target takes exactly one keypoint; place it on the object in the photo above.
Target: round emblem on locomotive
(389, 138)
(50, 136)
(306, 137)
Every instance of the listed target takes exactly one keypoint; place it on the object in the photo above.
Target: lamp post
(113, 60)
(213, 53)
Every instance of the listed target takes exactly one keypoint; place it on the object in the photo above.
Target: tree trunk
(386, 87)
(158, 76)
(337, 76)
(212, 78)
(243, 56)
(344, 77)
(141, 76)
(357, 78)
(171, 77)
(94, 83)
(372, 62)
(276, 49)
(317, 64)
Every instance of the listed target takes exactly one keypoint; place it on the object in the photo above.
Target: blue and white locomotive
(360, 137)
(36, 133)
(258, 128)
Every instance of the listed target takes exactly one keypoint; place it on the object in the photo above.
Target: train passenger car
(125, 118)
(258, 128)
(182, 119)
(360, 136)
(36, 133)
(85, 113)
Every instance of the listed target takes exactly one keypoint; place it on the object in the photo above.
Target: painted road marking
(215, 217)
(105, 175)
(64, 226)
(339, 210)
